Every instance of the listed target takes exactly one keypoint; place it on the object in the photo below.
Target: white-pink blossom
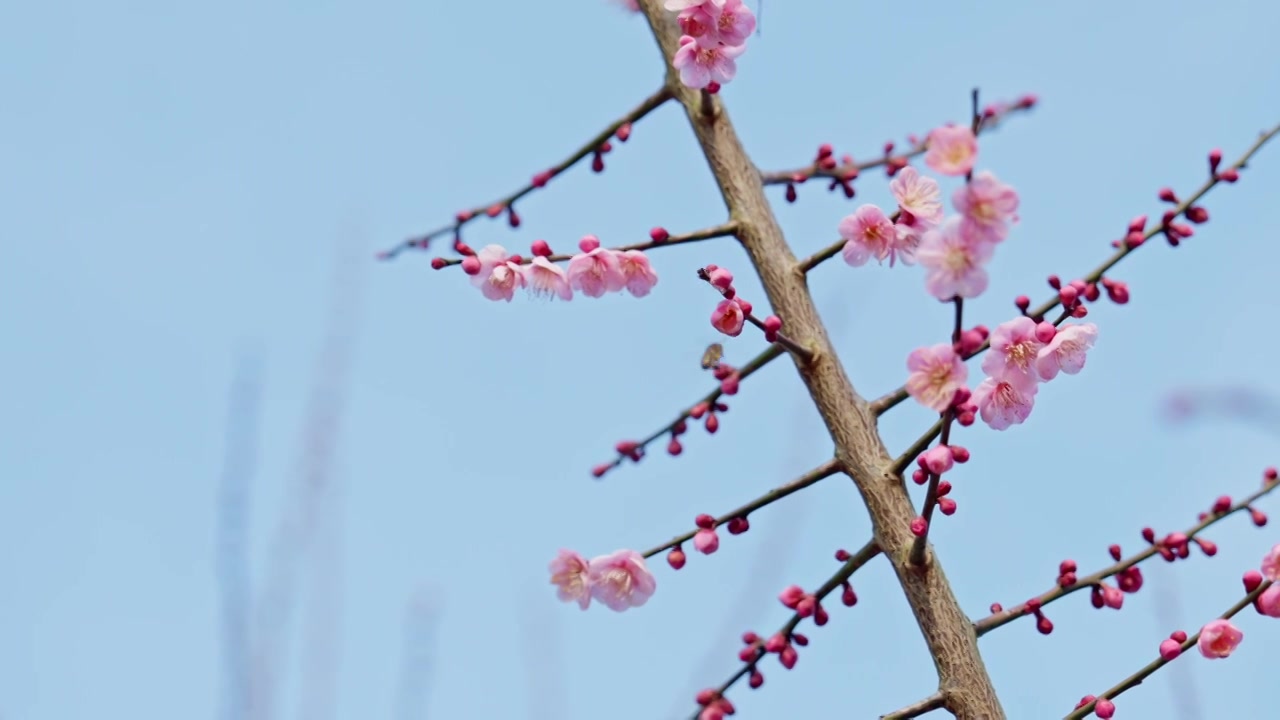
(621, 580)
(1067, 351)
(1002, 403)
(955, 260)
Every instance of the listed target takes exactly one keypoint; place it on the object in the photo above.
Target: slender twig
(863, 556)
(708, 401)
(847, 171)
(823, 471)
(1136, 679)
(916, 556)
(650, 104)
(792, 346)
(995, 620)
(935, 701)
(917, 447)
(714, 231)
(891, 399)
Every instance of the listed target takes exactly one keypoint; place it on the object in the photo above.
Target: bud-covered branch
(1171, 547)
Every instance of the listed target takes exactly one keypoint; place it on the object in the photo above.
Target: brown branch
(918, 708)
(709, 400)
(995, 620)
(716, 231)
(863, 556)
(650, 104)
(823, 471)
(1136, 679)
(846, 171)
(858, 447)
(891, 399)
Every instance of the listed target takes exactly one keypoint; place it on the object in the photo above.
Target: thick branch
(859, 449)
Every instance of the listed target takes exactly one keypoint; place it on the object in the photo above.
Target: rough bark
(962, 675)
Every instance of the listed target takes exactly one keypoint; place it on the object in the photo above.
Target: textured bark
(947, 631)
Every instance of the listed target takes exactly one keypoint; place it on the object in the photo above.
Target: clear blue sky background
(181, 179)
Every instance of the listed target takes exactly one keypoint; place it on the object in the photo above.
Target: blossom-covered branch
(704, 536)
(658, 237)
(1171, 547)
(707, 409)
(733, 311)
(784, 642)
(1217, 639)
(1136, 235)
(596, 147)
(845, 170)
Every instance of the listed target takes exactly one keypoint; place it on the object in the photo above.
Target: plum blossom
(546, 279)
(952, 150)
(498, 277)
(728, 317)
(1066, 351)
(1014, 352)
(1003, 404)
(728, 22)
(955, 261)
(1271, 565)
(936, 373)
(1218, 639)
(919, 198)
(867, 234)
(988, 206)
(678, 5)
(596, 272)
(699, 66)
(638, 277)
(620, 580)
(570, 574)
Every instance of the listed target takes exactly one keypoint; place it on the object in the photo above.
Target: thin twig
(935, 701)
(916, 557)
(650, 104)
(1136, 679)
(714, 231)
(823, 471)
(995, 620)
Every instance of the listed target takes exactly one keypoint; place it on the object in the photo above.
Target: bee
(712, 355)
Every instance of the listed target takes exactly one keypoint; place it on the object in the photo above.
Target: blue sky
(182, 180)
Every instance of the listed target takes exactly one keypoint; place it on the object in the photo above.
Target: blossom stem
(888, 401)
(799, 175)
(1136, 679)
(863, 556)
(823, 471)
(715, 231)
(764, 358)
(920, 707)
(916, 557)
(792, 346)
(995, 620)
(649, 104)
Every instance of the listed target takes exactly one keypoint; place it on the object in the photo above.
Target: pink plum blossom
(728, 317)
(952, 150)
(867, 234)
(955, 261)
(1271, 565)
(936, 373)
(1003, 403)
(596, 272)
(546, 279)
(919, 198)
(1269, 601)
(726, 23)
(1218, 639)
(700, 66)
(1014, 350)
(678, 5)
(498, 278)
(988, 206)
(570, 574)
(638, 276)
(620, 580)
(1066, 351)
